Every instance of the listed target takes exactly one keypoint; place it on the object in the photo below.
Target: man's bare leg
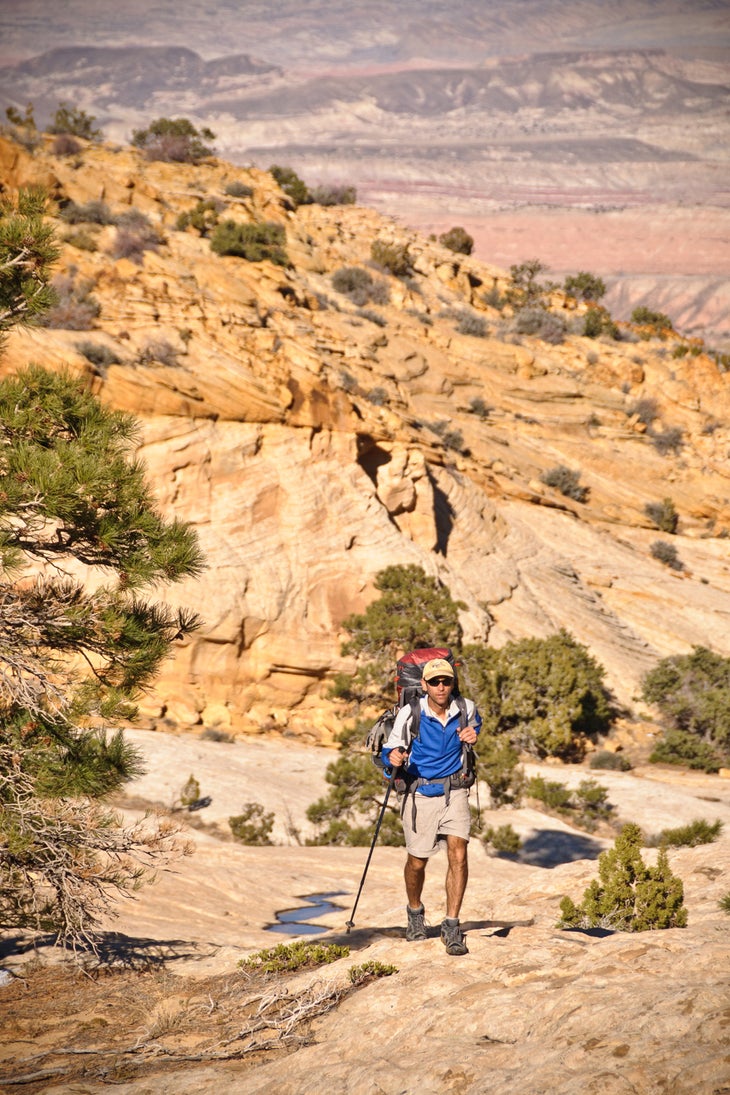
(457, 875)
(414, 875)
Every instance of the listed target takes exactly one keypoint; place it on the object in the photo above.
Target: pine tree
(80, 544)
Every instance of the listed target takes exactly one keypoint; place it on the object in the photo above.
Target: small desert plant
(135, 234)
(540, 323)
(471, 324)
(370, 971)
(646, 410)
(585, 286)
(478, 407)
(663, 514)
(628, 896)
(238, 189)
(657, 322)
(451, 437)
(394, 257)
(502, 839)
(333, 195)
(608, 761)
(493, 298)
(288, 957)
(253, 826)
(295, 188)
(98, 354)
(353, 282)
(688, 836)
(174, 140)
(76, 308)
(668, 440)
(92, 212)
(263, 240)
(724, 902)
(211, 733)
(203, 217)
(82, 240)
(190, 792)
(585, 804)
(457, 239)
(65, 145)
(685, 748)
(525, 290)
(378, 397)
(77, 123)
(666, 553)
(567, 481)
(158, 351)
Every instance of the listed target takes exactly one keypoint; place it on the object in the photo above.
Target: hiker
(435, 806)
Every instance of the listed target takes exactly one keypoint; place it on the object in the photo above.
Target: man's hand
(468, 735)
(398, 757)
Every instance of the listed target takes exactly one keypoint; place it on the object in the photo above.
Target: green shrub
(75, 122)
(190, 792)
(524, 290)
(688, 836)
(658, 322)
(584, 805)
(628, 896)
(394, 257)
(499, 768)
(692, 691)
(458, 240)
(502, 839)
(584, 286)
(294, 187)
(606, 760)
(203, 217)
(264, 240)
(289, 957)
(663, 514)
(83, 241)
(567, 481)
(237, 189)
(253, 826)
(724, 903)
(370, 971)
(174, 140)
(666, 553)
(685, 748)
(544, 696)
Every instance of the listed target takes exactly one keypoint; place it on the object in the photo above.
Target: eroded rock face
(313, 441)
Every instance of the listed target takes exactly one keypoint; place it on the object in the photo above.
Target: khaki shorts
(435, 821)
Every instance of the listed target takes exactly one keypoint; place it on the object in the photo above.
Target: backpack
(409, 671)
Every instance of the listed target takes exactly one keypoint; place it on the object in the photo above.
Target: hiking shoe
(452, 937)
(416, 929)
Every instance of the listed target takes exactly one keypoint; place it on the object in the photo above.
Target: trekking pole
(351, 922)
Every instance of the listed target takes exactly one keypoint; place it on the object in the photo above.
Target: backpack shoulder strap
(463, 715)
(415, 727)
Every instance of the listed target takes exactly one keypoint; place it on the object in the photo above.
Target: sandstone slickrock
(313, 442)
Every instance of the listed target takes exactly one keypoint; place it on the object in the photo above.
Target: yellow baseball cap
(437, 667)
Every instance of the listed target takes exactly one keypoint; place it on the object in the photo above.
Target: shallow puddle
(296, 921)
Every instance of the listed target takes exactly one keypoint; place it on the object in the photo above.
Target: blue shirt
(437, 751)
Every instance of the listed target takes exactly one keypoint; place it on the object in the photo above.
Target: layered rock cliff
(312, 442)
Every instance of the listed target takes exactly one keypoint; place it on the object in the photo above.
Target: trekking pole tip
(349, 924)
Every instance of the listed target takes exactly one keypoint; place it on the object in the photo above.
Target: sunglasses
(440, 680)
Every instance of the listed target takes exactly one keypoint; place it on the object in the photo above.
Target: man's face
(439, 689)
